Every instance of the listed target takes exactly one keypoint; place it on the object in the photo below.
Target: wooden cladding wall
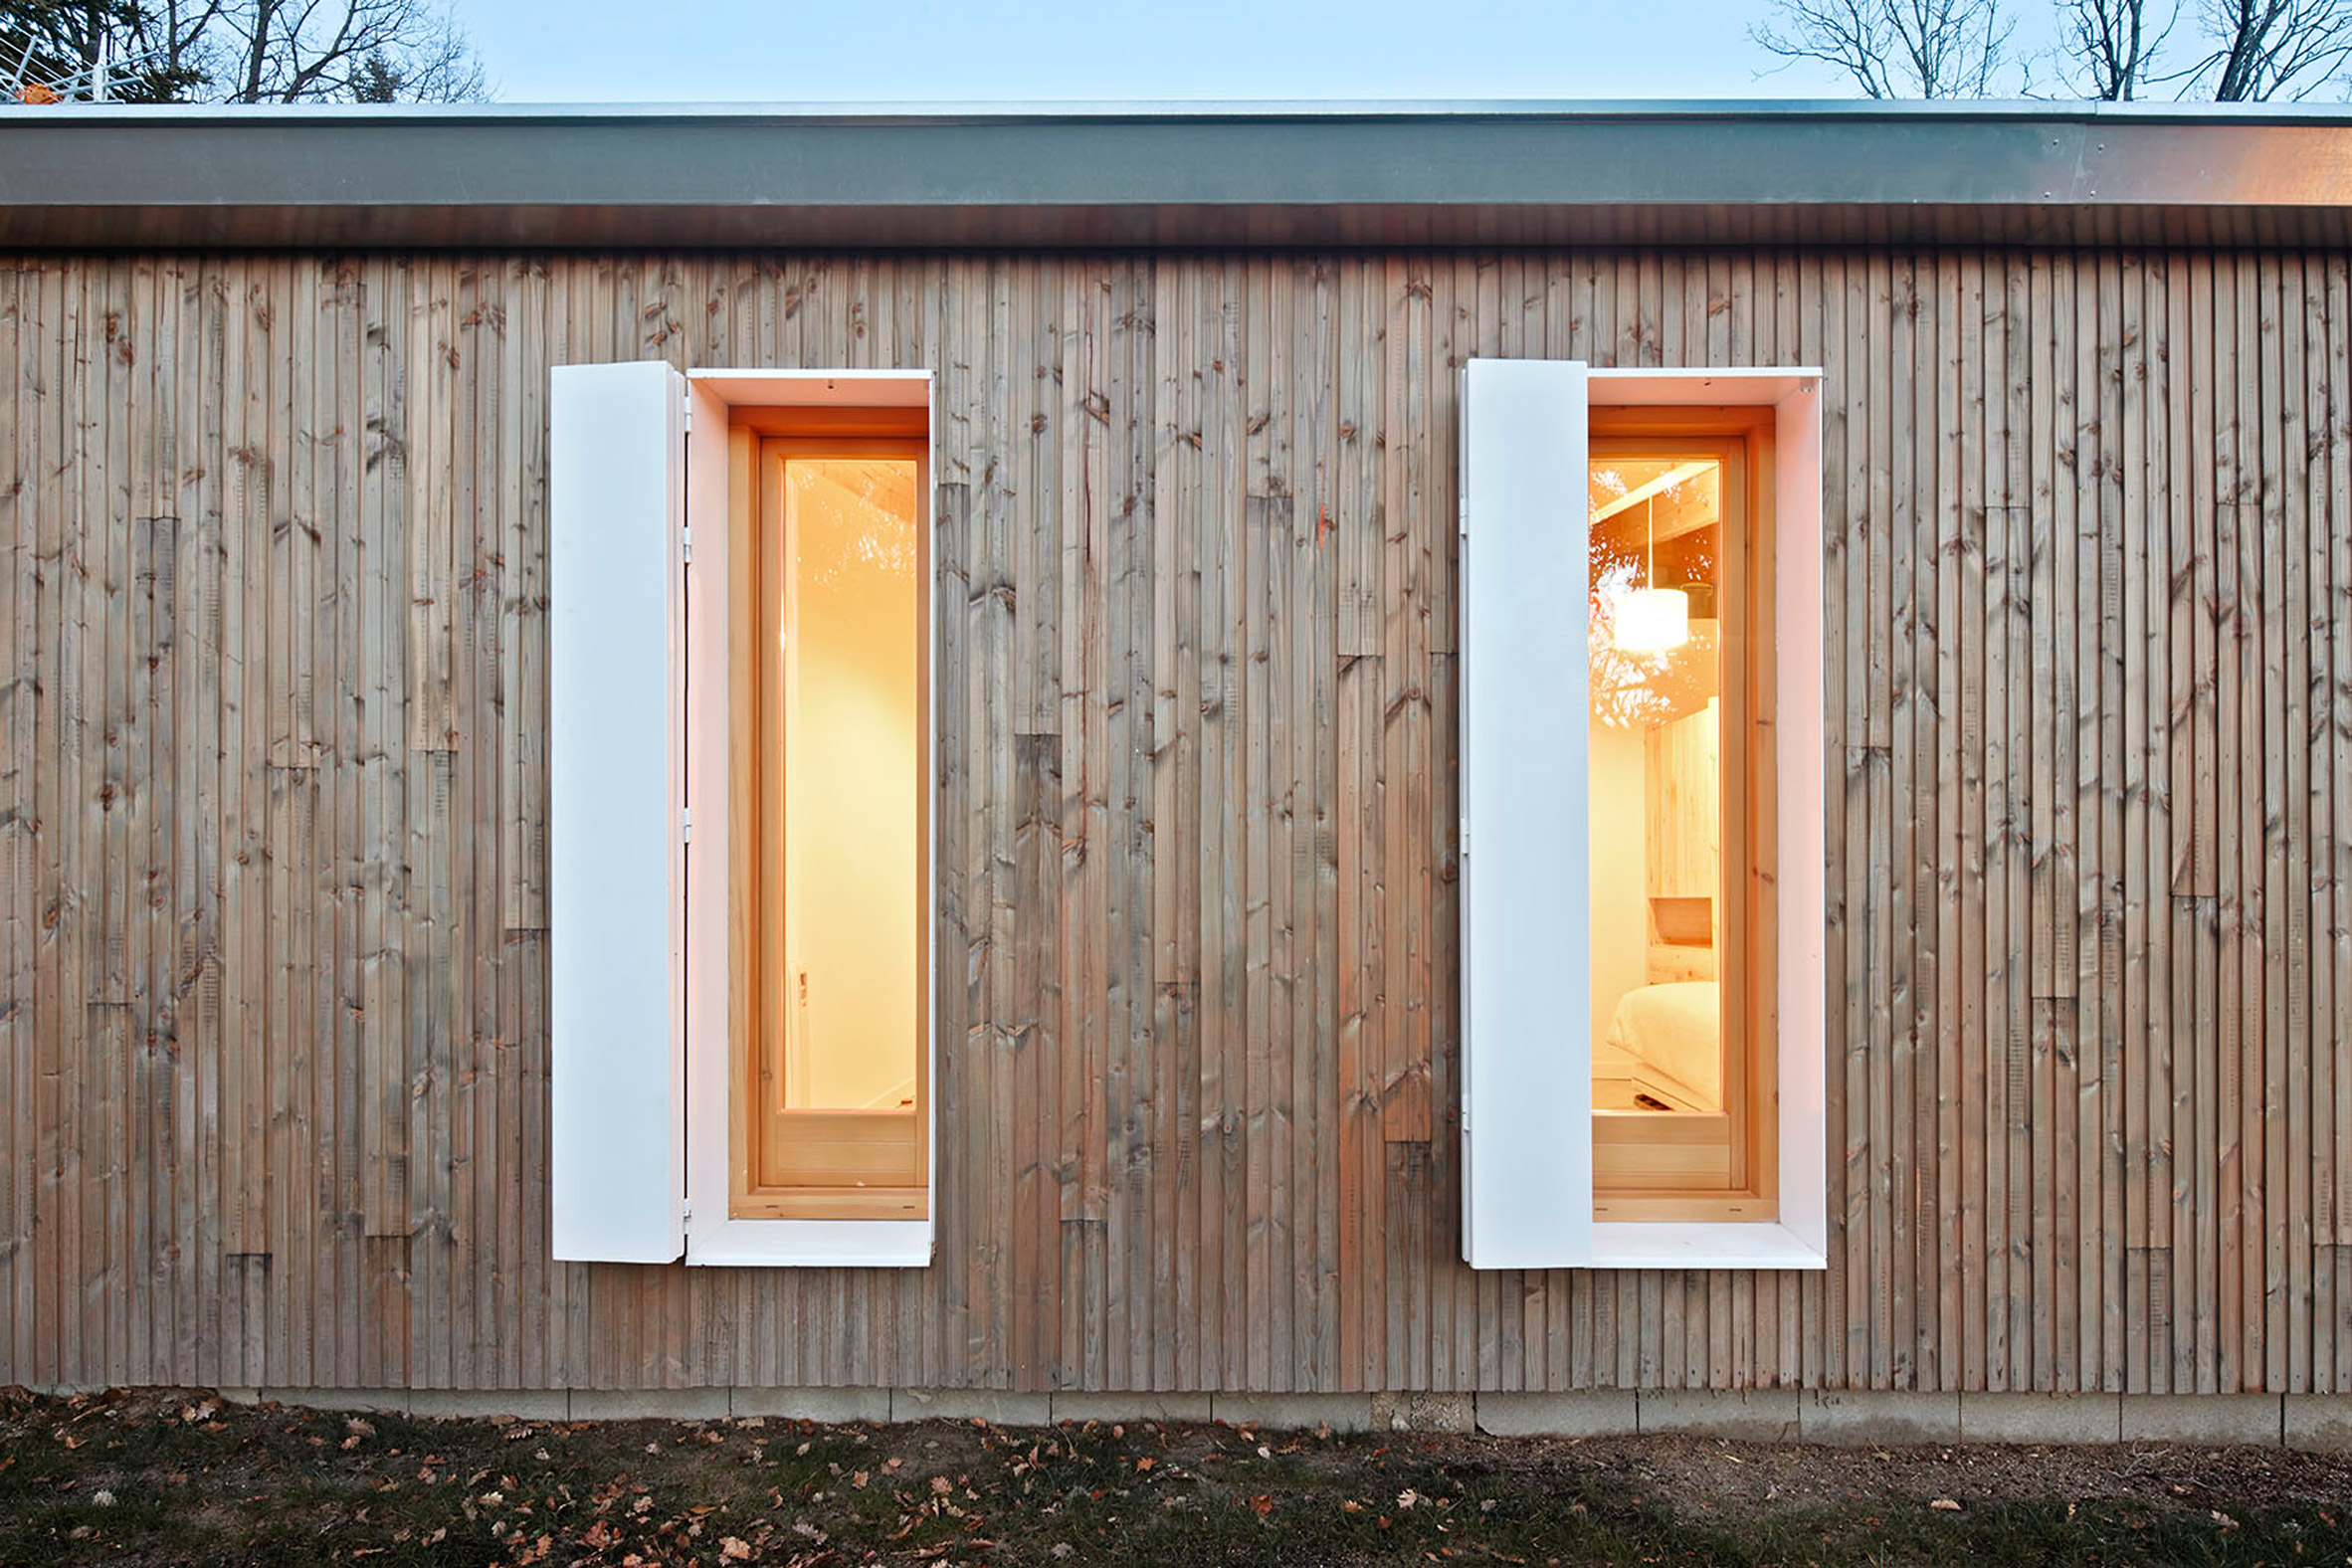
(273, 878)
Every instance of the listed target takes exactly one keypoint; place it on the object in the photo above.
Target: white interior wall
(1619, 825)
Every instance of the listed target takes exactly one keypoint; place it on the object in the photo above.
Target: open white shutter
(617, 1057)
(1526, 1055)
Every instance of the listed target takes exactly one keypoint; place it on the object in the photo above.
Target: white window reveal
(1642, 836)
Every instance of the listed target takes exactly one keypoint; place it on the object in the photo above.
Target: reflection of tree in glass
(1684, 560)
(1630, 689)
(854, 517)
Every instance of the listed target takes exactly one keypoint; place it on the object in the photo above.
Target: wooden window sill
(832, 1203)
(1716, 1207)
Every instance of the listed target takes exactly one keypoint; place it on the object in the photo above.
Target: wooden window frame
(1741, 440)
(760, 1135)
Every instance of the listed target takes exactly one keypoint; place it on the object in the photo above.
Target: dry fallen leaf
(734, 1549)
(1945, 1505)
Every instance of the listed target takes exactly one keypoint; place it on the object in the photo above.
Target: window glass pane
(852, 822)
(1660, 1095)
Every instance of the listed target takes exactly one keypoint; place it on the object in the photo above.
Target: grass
(181, 1479)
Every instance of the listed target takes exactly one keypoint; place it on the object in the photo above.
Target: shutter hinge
(1462, 515)
(685, 824)
(686, 544)
(1466, 838)
(685, 420)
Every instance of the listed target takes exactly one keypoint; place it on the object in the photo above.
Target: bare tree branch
(243, 51)
(1839, 34)
(1928, 49)
(295, 51)
(2267, 49)
(2107, 48)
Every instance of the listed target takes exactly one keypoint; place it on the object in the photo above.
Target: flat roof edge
(1224, 175)
(1179, 111)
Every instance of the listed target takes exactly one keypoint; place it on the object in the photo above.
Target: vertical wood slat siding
(273, 1056)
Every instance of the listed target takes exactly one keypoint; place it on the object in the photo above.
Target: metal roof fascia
(1202, 174)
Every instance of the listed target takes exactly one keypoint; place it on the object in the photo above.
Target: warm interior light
(1652, 619)
(852, 726)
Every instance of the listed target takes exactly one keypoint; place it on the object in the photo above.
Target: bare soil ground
(160, 1478)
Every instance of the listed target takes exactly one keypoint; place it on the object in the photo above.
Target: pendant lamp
(1651, 621)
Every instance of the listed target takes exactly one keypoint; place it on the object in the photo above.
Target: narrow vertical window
(832, 1092)
(1680, 1068)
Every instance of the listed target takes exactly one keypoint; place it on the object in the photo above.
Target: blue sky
(681, 51)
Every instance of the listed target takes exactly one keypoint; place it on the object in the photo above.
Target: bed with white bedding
(1673, 1038)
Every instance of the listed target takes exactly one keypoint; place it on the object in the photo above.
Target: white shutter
(1526, 1051)
(616, 1058)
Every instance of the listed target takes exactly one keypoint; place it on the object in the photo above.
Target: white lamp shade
(1653, 621)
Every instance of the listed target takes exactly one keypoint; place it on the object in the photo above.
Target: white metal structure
(616, 1060)
(20, 81)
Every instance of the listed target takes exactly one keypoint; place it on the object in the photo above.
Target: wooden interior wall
(273, 796)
